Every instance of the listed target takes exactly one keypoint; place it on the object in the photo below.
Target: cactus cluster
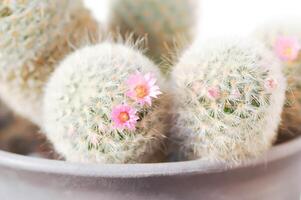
(108, 103)
(228, 99)
(35, 36)
(103, 105)
(162, 22)
(283, 38)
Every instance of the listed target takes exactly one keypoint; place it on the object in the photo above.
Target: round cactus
(103, 105)
(162, 22)
(229, 98)
(35, 36)
(283, 38)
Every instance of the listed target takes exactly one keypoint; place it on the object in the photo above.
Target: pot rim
(57, 167)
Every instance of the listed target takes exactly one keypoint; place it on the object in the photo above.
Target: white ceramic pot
(277, 176)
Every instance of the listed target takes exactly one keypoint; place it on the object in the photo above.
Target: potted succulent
(203, 126)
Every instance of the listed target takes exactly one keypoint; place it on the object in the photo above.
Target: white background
(226, 17)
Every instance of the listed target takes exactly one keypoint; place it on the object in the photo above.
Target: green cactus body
(229, 98)
(81, 97)
(270, 34)
(35, 36)
(161, 21)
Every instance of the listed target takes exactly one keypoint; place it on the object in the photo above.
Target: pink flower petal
(270, 84)
(287, 48)
(214, 93)
(142, 88)
(124, 116)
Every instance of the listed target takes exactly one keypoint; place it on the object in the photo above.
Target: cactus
(229, 98)
(35, 36)
(161, 21)
(103, 105)
(284, 39)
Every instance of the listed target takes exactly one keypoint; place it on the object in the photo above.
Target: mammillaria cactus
(34, 36)
(161, 21)
(284, 39)
(229, 99)
(103, 105)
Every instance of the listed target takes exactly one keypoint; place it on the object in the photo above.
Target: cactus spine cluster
(283, 38)
(162, 22)
(230, 95)
(92, 112)
(35, 36)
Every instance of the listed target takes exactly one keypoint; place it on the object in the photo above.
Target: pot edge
(32, 164)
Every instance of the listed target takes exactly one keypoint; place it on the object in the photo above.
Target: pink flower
(124, 116)
(142, 88)
(270, 84)
(214, 93)
(287, 48)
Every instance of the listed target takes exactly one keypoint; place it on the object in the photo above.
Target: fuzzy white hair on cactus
(104, 104)
(283, 38)
(35, 36)
(235, 112)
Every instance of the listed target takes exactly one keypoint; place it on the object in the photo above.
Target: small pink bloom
(124, 116)
(270, 84)
(214, 92)
(142, 88)
(287, 48)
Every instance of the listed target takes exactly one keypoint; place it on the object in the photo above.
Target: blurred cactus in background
(105, 104)
(34, 36)
(20, 136)
(164, 23)
(5, 115)
(229, 97)
(283, 38)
